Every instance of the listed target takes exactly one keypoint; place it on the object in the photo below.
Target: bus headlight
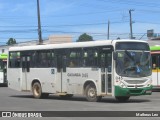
(122, 85)
(149, 83)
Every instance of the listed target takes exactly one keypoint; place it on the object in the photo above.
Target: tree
(84, 37)
(11, 41)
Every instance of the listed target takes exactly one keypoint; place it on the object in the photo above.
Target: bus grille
(135, 81)
(135, 91)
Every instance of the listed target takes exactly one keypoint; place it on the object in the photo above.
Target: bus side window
(154, 66)
(44, 59)
(90, 57)
(33, 59)
(154, 61)
(74, 58)
(14, 60)
(51, 59)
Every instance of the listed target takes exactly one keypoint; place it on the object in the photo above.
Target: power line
(70, 25)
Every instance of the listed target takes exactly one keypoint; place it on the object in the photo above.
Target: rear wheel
(91, 93)
(122, 98)
(37, 91)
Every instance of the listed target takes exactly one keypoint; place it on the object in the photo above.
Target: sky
(18, 18)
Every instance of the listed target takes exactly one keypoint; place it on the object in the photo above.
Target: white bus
(119, 68)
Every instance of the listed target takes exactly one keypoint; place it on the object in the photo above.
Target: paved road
(11, 100)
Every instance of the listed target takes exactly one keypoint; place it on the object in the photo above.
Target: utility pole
(108, 29)
(39, 24)
(130, 14)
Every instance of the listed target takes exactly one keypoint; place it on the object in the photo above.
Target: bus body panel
(1, 77)
(14, 78)
(45, 76)
(156, 79)
(76, 77)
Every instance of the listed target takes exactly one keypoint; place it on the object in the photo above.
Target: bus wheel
(37, 90)
(91, 93)
(122, 98)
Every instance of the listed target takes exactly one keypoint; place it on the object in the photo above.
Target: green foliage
(11, 41)
(84, 37)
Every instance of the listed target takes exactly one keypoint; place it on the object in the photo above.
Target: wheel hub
(91, 92)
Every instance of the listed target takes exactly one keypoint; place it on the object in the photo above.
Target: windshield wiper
(129, 55)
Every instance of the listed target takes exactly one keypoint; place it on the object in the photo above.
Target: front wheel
(91, 93)
(122, 98)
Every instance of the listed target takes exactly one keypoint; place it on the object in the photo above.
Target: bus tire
(91, 93)
(122, 98)
(37, 90)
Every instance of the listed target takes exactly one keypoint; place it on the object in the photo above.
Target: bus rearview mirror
(114, 55)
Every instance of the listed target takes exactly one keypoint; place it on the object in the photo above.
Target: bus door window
(105, 62)
(102, 62)
(64, 63)
(25, 63)
(28, 63)
(61, 60)
(59, 63)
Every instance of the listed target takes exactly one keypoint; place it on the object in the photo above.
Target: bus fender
(87, 82)
(33, 81)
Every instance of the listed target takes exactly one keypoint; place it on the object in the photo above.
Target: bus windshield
(133, 63)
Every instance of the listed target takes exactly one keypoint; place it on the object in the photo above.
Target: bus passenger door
(61, 72)
(106, 71)
(25, 71)
(156, 70)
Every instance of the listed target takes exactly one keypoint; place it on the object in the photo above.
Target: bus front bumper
(132, 91)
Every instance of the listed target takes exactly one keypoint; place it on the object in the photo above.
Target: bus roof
(71, 45)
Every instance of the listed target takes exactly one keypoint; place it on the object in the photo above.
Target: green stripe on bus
(154, 48)
(3, 56)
